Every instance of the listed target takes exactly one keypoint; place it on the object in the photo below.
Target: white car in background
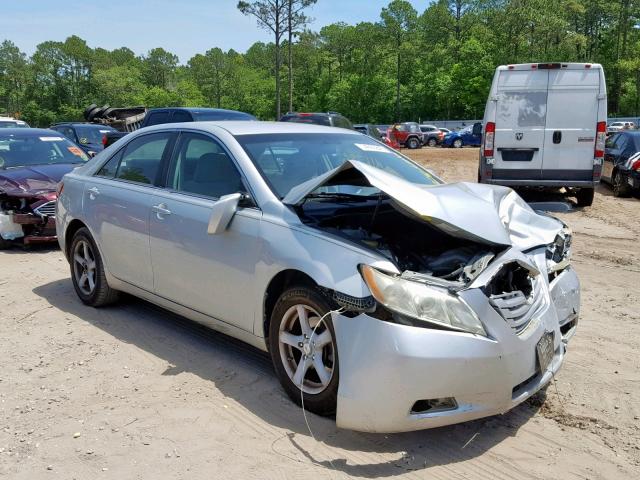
(618, 126)
(384, 296)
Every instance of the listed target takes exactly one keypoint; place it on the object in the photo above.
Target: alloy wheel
(84, 267)
(306, 349)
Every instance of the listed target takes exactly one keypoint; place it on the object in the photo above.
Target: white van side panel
(572, 115)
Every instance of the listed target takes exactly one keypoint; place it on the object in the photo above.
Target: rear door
(521, 114)
(572, 117)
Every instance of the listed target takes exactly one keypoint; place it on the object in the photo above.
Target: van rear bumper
(540, 183)
(540, 177)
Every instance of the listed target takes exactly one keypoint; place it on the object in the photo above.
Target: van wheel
(457, 143)
(304, 352)
(585, 197)
(620, 188)
(413, 143)
(87, 271)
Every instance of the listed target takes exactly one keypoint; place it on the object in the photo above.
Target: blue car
(469, 136)
(90, 137)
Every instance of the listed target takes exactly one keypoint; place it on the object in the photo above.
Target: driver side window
(200, 166)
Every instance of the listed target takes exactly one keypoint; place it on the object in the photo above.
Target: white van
(545, 125)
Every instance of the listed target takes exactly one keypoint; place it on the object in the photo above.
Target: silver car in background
(383, 295)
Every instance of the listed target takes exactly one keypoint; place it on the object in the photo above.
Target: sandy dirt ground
(133, 392)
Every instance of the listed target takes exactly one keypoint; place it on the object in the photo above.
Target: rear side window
(139, 161)
(156, 118)
(342, 122)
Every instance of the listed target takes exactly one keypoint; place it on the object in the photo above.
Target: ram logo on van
(519, 135)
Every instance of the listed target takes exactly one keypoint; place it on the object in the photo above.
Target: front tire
(304, 352)
(585, 197)
(87, 271)
(432, 142)
(457, 143)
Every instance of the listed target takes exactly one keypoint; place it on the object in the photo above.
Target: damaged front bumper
(30, 227)
(399, 378)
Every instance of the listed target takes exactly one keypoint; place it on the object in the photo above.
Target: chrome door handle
(161, 210)
(93, 192)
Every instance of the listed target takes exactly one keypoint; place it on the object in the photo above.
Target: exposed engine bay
(412, 245)
(27, 219)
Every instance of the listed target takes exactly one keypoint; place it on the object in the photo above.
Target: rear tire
(432, 142)
(291, 342)
(620, 188)
(413, 143)
(585, 197)
(87, 271)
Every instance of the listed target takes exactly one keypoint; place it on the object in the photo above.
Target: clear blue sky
(184, 27)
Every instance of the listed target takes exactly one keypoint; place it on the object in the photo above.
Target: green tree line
(409, 65)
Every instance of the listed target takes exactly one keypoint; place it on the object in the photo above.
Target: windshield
(289, 159)
(21, 151)
(91, 134)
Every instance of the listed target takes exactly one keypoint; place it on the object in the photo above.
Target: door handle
(557, 136)
(93, 192)
(161, 210)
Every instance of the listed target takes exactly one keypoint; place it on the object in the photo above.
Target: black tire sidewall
(325, 402)
(91, 299)
(432, 142)
(413, 143)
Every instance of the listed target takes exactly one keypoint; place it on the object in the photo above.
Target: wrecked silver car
(383, 295)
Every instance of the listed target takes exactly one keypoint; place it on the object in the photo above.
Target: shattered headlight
(426, 303)
(559, 252)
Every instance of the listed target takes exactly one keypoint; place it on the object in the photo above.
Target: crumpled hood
(28, 181)
(488, 214)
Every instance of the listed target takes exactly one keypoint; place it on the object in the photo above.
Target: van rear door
(521, 113)
(572, 117)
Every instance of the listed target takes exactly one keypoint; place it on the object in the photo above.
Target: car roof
(82, 124)
(254, 128)
(196, 110)
(30, 132)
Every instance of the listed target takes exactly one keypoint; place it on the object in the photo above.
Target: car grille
(46, 209)
(522, 298)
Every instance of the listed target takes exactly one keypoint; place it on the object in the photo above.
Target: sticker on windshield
(366, 147)
(76, 151)
(51, 139)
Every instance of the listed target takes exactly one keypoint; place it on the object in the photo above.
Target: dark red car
(32, 162)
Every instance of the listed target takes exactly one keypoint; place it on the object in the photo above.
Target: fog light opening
(434, 405)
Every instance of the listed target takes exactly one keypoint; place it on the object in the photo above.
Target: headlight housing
(425, 303)
(559, 252)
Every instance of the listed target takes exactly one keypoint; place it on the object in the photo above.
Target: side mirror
(477, 129)
(222, 213)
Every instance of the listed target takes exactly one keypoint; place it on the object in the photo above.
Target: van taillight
(489, 137)
(601, 137)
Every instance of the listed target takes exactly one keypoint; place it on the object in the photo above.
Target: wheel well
(73, 227)
(279, 284)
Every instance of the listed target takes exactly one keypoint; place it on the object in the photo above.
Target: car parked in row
(621, 167)
(469, 136)
(328, 119)
(431, 135)
(619, 126)
(32, 162)
(158, 116)
(383, 295)
(407, 134)
(10, 122)
(89, 137)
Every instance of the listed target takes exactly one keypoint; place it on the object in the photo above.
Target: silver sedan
(384, 296)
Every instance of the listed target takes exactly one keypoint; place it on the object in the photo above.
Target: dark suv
(329, 119)
(88, 136)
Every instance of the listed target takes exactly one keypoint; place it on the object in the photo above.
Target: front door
(520, 122)
(212, 274)
(118, 203)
